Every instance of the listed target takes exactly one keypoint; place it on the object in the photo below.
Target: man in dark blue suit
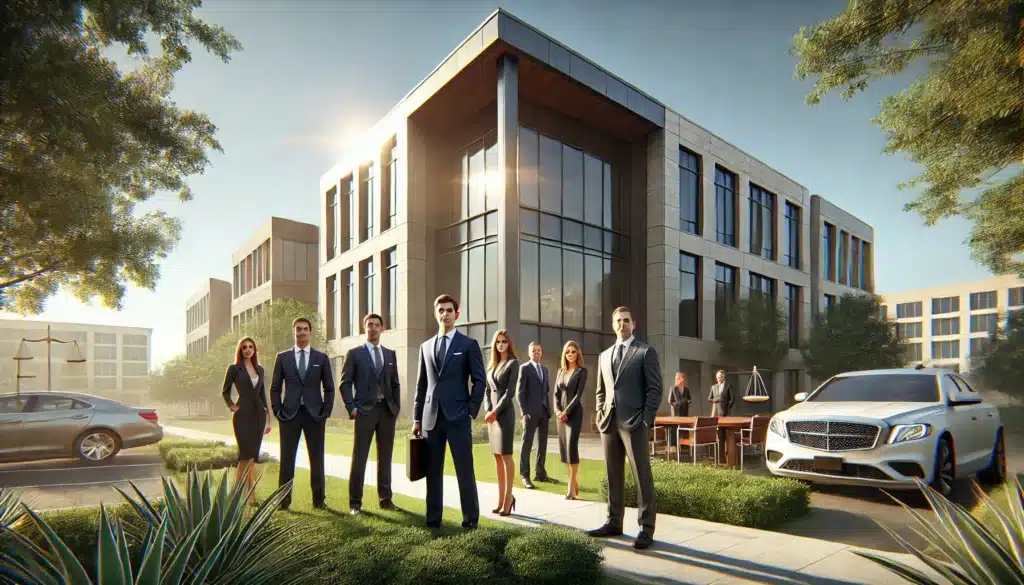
(449, 391)
(373, 370)
(304, 410)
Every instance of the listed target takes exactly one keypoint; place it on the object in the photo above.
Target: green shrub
(721, 495)
(201, 458)
(439, 563)
(168, 444)
(553, 555)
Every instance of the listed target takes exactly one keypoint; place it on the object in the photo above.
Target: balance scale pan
(756, 398)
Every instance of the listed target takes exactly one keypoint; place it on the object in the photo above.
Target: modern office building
(279, 261)
(945, 325)
(117, 358)
(542, 191)
(207, 315)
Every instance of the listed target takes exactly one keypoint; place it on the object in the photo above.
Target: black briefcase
(416, 465)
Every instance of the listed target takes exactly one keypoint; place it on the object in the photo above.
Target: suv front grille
(849, 470)
(832, 435)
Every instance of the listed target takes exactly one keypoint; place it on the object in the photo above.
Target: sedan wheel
(945, 469)
(97, 446)
(995, 473)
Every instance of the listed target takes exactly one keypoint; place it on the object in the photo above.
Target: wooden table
(728, 437)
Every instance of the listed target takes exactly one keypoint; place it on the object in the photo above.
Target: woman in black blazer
(502, 376)
(251, 418)
(570, 384)
(679, 402)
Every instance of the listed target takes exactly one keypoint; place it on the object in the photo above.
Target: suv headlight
(778, 427)
(904, 433)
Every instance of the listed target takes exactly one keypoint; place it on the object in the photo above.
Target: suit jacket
(238, 377)
(533, 393)
(725, 398)
(634, 396)
(569, 396)
(359, 371)
(499, 395)
(318, 375)
(456, 386)
(679, 400)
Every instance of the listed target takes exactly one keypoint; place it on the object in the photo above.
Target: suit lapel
(309, 363)
(625, 359)
(606, 366)
(373, 368)
(448, 352)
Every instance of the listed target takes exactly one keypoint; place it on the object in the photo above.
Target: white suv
(884, 428)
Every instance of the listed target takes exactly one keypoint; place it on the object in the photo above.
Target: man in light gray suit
(628, 396)
(533, 392)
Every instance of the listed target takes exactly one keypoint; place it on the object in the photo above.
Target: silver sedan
(55, 425)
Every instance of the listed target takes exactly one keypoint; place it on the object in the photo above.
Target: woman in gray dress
(502, 376)
(570, 384)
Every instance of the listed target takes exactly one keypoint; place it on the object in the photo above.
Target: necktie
(377, 364)
(302, 363)
(442, 351)
(617, 359)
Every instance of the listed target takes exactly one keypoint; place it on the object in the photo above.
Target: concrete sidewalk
(685, 550)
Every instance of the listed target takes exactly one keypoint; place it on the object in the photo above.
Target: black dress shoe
(319, 505)
(388, 505)
(643, 540)
(527, 483)
(355, 511)
(545, 479)
(605, 531)
(469, 526)
(434, 525)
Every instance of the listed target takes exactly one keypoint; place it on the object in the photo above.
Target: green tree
(755, 333)
(84, 143)
(851, 336)
(962, 119)
(1000, 364)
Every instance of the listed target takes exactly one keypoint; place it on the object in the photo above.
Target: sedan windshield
(879, 388)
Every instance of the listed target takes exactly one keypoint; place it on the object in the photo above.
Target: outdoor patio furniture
(703, 433)
(753, 437)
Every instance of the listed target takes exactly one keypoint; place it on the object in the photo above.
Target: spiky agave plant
(10, 508)
(972, 553)
(253, 549)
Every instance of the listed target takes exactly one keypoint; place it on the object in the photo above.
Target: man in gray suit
(373, 370)
(533, 392)
(628, 396)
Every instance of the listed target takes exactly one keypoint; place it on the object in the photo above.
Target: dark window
(529, 282)
(946, 349)
(689, 295)
(828, 252)
(911, 330)
(793, 315)
(572, 289)
(391, 287)
(829, 301)
(331, 315)
(843, 263)
(908, 310)
(988, 323)
(393, 188)
(689, 192)
(978, 344)
(725, 207)
(944, 305)
(528, 168)
(949, 326)
(761, 206)
(879, 388)
(55, 403)
(593, 276)
(550, 285)
(913, 351)
(983, 300)
(332, 222)
(550, 175)
(350, 323)
(725, 295)
(572, 182)
(593, 191)
(353, 216)
(855, 264)
(368, 199)
(762, 284)
(1016, 296)
(792, 229)
(368, 296)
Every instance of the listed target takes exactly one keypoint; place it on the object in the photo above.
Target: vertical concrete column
(508, 207)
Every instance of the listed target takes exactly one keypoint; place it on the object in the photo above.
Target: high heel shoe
(496, 510)
(510, 508)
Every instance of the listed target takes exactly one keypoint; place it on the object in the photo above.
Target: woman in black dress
(251, 418)
(570, 384)
(502, 376)
(679, 402)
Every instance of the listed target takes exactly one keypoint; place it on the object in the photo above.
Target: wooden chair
(652, 439)
(755, 436)
(703, 433)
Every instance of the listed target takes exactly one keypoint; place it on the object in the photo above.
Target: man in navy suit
(449, 391)
(304, 410)
(373, 370)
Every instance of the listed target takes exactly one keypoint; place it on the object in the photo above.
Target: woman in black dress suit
(570, 384)
(679, 401)
(251, 419)
(502, 376)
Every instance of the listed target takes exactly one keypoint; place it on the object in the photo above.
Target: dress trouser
(621, 445)
(460, 438)
(379, 422)
(540, 428)
(303, 425)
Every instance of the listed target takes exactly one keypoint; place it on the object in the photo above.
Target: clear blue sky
(315, 72)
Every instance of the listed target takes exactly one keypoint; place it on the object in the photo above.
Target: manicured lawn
(339, 442)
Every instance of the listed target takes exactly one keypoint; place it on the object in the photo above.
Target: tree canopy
(962, 120)
(200, 377)
(851, 336)
(84, 143)
(754, 333)
(1000, 363)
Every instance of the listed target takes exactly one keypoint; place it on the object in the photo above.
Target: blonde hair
(563, 364)
(495, 356)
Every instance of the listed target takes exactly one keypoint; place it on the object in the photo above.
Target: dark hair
(623, 309)
(446, 299)
(298, 320)
(238, 351)
(495, 357)
(373, 316)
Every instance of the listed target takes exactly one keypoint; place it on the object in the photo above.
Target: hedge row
(727, 496)
(368, 551)
(183, 455)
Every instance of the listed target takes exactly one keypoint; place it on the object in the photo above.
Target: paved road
(64, 483)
